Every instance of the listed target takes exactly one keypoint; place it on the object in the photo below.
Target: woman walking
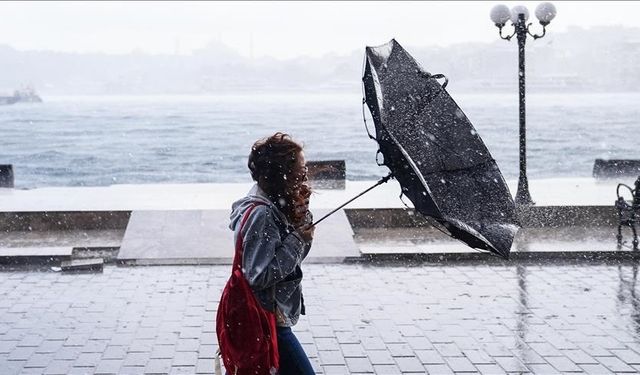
(276, 236)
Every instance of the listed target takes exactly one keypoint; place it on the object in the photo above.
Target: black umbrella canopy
(435, 153)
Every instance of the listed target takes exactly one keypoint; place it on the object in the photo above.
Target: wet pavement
(464, 317)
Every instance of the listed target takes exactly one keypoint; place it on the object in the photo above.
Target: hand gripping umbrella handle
(382, 181)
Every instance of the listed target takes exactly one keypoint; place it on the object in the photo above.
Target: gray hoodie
(273, 252)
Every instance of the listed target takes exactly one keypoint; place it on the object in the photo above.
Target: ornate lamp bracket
(536, 36)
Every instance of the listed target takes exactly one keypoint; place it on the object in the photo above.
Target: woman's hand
(306, 232)
(301, 211)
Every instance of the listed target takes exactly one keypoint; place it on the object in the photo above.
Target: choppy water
(72, 141)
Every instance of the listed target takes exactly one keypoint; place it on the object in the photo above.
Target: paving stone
(493, 369)
(305, 337)
(331, 357)
(183, 370)
(310, 350)
(448, 350)
(380, 357)
(87, 360)
(531, 357)
(114, 352)
(579, 356)
(359, 365)
(628, 356)
(21, 353)
(615, 364)
(418, 343)
(31, 340)
(546, 350)
(373, 343)
(158, 366)
(400, 350)
(409, 364)
(76, 340)
(544, 369)
(327, 343)
(335, 369)
(167, 351)
(563, 364)
(595, 350)
(58, 367)
(595, 369)
(185, 359)
(132, 370)
(511, 364)
(7, 347)
(429, 357)
(352, 350)
(322, 331)
(13, 367)
(190, 333)
(205, 366)
(136, 359)
(207, 351)
(187, 345)
(109, 366)
(122, 339)
(438, 369)
(94, 346)
(141, 345)
(68, 353)
(477, 357)
(35, 371)
(460, 364)
(39, 360)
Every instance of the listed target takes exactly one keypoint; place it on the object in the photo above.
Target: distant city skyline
(581, 60)
(281, 30)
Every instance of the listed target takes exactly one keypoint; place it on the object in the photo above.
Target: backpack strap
(237, 259)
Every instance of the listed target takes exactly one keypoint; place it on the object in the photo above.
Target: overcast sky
(277, 29)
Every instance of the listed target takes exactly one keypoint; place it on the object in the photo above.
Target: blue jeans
(293, 359)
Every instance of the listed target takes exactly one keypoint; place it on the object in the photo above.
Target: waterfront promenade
(568, 304)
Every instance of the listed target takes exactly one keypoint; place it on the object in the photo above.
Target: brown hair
(273, 163)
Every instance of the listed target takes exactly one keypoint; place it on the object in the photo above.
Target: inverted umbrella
(435, 153)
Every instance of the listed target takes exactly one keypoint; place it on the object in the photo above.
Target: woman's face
(300, 170)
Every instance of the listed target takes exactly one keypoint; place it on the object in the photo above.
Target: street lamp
(518, 15)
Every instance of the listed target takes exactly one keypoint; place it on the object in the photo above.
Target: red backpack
(246, 331)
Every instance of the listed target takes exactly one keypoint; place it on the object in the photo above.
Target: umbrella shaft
(382, 180)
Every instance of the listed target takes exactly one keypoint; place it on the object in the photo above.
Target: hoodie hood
(255, 195)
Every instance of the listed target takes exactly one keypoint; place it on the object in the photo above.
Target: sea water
(104, 140)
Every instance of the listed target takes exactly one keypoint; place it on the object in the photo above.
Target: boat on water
(26, 95)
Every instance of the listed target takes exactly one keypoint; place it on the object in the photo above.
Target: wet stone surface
(385, 319)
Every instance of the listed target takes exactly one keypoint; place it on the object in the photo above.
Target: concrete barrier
(530, 217)
(6, 176)
(615, 168)
(46, 221)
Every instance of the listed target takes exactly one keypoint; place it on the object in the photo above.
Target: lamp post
(519, 15)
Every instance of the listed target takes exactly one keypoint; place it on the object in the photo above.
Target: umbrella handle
(382, 181)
